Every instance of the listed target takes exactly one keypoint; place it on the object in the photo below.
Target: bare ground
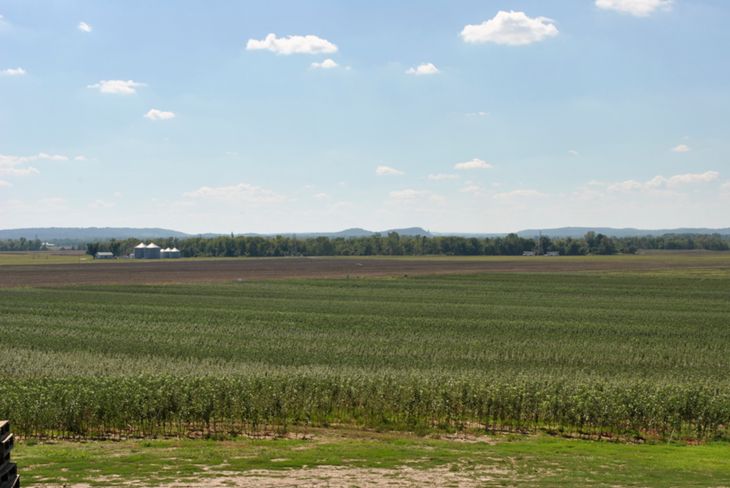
(341, 477)
(221, 270)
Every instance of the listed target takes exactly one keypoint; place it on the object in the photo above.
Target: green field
(43, 257)
(614, 354)
(361, 458)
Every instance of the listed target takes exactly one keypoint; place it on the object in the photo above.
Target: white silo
(139, 250)
(152, 251)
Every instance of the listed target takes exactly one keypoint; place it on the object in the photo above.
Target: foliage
(616, 353)
(396, 245)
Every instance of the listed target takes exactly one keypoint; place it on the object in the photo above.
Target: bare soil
(337, 476)
(222, 270)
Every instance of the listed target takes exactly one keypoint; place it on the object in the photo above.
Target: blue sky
(478, 116)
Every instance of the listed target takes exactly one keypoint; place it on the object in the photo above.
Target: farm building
(104, 255)
(170, 253)
(139, 250)
(152, 251)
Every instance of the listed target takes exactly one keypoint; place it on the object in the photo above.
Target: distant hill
(576, 232)
(52, 234)
(86, 234)
(356, 232)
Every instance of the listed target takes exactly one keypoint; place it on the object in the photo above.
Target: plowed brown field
(218, 270)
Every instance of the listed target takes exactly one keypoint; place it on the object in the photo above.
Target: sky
(304, 116)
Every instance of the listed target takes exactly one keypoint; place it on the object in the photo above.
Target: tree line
(394, 244)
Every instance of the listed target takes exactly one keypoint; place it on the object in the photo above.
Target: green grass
(42, 257)
(614, 353)
(523, 460)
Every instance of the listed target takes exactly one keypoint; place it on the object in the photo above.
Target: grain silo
(152, 251)
(165, 253)
(173, 253)
(139, 250)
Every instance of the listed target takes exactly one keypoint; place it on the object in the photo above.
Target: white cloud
(5, 184)
(18, 165)
(519, 194)
(13, 72)
(387, 171)
(629, 185)
(101, 204)
(726, 185)
(326, 64)
(154, 114)
(473, 164)
(240, 193)
(423, 69)
(321, 196)
(681, 148)
(407, 194)
(691, 178)
(411, 196)
(639, 8)
(510, 28)
(11, 171)
(308, 44)
(476, 114)
(471, 188)
(120, 87)
(80, 157)
(84, 27)
(442, 177)
(573, 152)
(659, 182)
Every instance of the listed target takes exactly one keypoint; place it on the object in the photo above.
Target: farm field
(619, 354)
(339, 458)
(637, 354)
(195, 270)
(43, 257)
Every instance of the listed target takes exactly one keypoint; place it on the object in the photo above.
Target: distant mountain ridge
(51, 234)
(88, 233)
(85, 234)
(576, 232)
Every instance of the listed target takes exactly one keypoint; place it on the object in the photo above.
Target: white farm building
(153, 251)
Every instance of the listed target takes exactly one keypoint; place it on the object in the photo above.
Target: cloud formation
(84, 27)
(638, 8)
(308, 44)
(326, 64)
(387, 171)
(154, 114)
(681, 148)
(13, 72)
(118, 87)
(519, 194)
(18, 165)
(411, 196)
(661, 183)
(240, 193)
(442, 177)
(423, 69)
(473, 164)
(510, 29)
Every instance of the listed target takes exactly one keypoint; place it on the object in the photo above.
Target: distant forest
(394, 244)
